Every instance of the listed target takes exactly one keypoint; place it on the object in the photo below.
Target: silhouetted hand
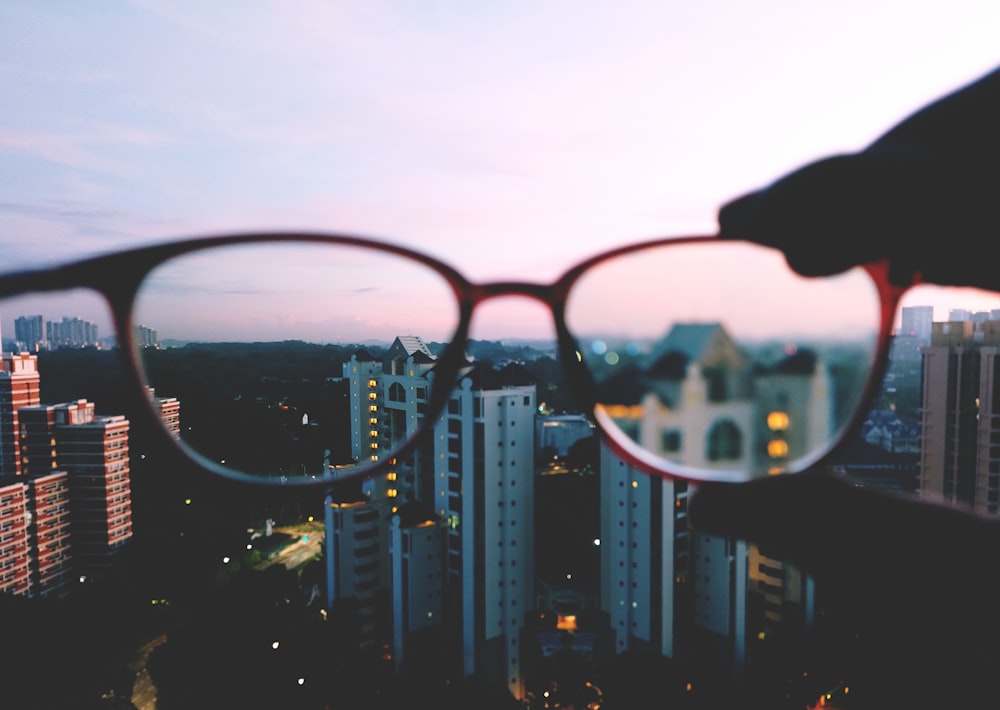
(926, 194)
(920, 581)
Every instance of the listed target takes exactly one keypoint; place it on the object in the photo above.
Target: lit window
(777, 421)
(566, 623)
(372, 383)
(374, 445)
(777, 448)
(373, 408)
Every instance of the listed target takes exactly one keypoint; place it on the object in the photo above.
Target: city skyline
(943, 301)
(737, 625)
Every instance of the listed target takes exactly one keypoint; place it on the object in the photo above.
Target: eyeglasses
(301, 359)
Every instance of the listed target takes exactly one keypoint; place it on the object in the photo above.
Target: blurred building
(29, 333)
(145, 337)
(960, 416)
(558, 432)
(168, 409)
(915, 322)
(71, 332)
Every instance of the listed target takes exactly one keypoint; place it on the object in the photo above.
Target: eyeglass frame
(130, 268)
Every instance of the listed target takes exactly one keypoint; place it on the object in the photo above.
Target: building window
(777, 421)
(725, 443)
(670, 441)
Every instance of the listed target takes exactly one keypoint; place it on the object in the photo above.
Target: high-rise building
(94, 451)
(169, 411)
(51, 559)
(34, 535)
(14, 560)
(484, 489)
(71, 332)
(419, 547)
(645, 557)
(19, 387)
(29, 333)
(959, 458)
(145, 337)
(473, 477)
(915, 322)
(357, 566)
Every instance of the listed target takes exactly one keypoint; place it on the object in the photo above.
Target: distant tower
(169, 411)
(915, 322)
(29, 333)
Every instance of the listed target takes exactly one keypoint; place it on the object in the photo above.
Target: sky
(510, 139)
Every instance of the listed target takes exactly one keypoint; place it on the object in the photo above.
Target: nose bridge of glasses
(517, 318)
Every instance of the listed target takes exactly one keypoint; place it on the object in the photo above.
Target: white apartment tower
(484, 489)
(645, 561)
(463, 569)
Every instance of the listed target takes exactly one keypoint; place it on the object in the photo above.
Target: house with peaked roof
(704, 401)
(698, 408)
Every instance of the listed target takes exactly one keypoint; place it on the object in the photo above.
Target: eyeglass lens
(714, 359)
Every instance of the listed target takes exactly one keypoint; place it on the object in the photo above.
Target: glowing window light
(777, 421)
(777, 448)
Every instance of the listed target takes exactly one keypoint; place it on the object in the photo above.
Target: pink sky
(511, 139)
